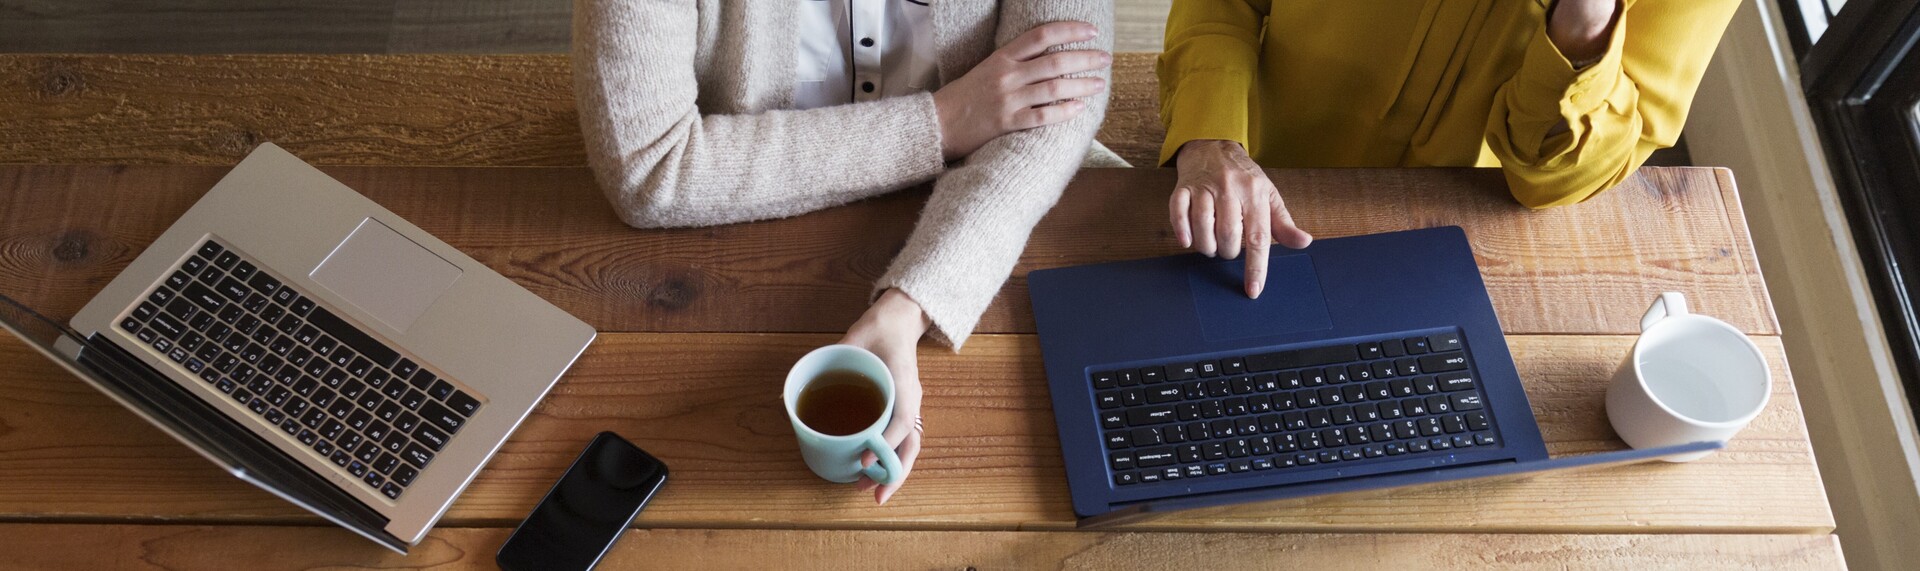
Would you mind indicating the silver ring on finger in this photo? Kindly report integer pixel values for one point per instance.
(919, 425)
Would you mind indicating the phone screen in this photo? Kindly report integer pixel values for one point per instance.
(587, 510)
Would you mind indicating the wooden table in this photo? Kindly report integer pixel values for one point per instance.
(700, 325)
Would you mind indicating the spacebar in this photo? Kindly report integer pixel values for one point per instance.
(1303, 358)
(373, 349)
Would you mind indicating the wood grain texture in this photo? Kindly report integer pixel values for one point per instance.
(110, 546)
(440, 110)
(1590, 268)
(708, 404)
(392, 110)
(195, 26)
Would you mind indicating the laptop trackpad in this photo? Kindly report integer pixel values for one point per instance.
(386, 274)
(1291, 303)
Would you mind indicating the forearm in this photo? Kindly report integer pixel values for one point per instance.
(981, 213)
(663, 163)
(1208, 67)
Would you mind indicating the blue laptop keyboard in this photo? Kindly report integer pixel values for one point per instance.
(1347, 402)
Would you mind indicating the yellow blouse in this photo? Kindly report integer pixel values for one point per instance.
(1343, 83)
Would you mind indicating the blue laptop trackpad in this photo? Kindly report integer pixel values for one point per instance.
(1291, 302)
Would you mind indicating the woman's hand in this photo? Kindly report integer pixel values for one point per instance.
(1223, 201)
(892, 329)
(1019, 87)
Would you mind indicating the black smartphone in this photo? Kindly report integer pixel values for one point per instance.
(587, 510)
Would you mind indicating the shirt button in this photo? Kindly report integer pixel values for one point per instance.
(866, 86)
(866, 42)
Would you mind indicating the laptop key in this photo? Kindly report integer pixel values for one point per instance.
(301, 306)
(1463, 402)
(285, 297)
(421, 379)
(1152, 457)
(1445, 342)
(351, 441)
(406, 473)
(416, 455)
(396, 441)
(386, 463)
(226, 260)
(200, 295)
(413, 400)
(430, 436)
(463, 403)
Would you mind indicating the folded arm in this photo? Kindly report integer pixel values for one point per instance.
(977, 221)
(663, 163)
(1563, 135)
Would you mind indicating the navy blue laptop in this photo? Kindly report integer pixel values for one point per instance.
(1368, 362)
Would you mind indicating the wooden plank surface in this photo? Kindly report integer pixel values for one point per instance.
(108, 546)
(1592, 268)
(708, 405)
(440, 110)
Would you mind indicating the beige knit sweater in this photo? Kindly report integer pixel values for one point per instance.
(684, 106)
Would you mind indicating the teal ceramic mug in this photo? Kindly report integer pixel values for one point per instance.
(837, 458)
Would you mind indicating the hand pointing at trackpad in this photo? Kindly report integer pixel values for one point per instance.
(1292, 300)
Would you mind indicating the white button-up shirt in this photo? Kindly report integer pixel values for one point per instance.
(862, 50)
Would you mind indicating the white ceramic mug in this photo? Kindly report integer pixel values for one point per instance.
(1690, 378)
(837, 458)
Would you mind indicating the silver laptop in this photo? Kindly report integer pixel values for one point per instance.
(318, 346)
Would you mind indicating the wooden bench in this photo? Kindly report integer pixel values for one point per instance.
(701, 323)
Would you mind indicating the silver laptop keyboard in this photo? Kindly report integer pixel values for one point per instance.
(372, 412)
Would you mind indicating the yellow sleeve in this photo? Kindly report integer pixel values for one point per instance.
(1207, 68)
(1617, 111)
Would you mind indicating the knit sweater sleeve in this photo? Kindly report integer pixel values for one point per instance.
(976, 224)
(663, 163)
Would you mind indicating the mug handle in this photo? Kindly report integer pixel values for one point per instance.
(884, 470)
(1667, 305)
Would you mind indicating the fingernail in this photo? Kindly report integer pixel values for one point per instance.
(1257, 288)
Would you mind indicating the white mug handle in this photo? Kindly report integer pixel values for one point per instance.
(1667, 305)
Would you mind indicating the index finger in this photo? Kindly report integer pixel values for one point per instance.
(1035, 42)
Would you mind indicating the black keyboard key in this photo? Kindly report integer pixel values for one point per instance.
(396, 441)
(350, 389)
(360, 342)
(1164, 394)
(1416, 345)
(430, 436)
(1302, 358)
(231, 314)
(413, 400)
(342, 458)
(284, 297)
(463, 403)
(356, 467)
(443, 389)
(1121, 461)
(404, 475)
(406, 422)
(314, 418)
(359, 420)
(1154, 457)
(167, 326)
(351, 441)
(1208, 368)
(145, 310)
(1477, 421)
(1118, 439)
(421, 379)
(324, 346)
(235, 290)
(1455, 381)
(386, 463)
(441, 417)
(1370, 351)
(416, 455)
(301, 306)
(244, 270)
(226, 260)
(394, 390)
(1463, 402)
(1106, 400)
(1152, 375)
(226, 385)
(374, 479)
(210, 276)
(342, 357)
(1137, 418)
(340, 408)
(387, 411)
(209, 250)
(204, 298)
(368, 452)
(1105, 380)
(370, 400)
(1147, 436)
(1445, 342)
(1425, 386)
(263, 283)
(1182, 372)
